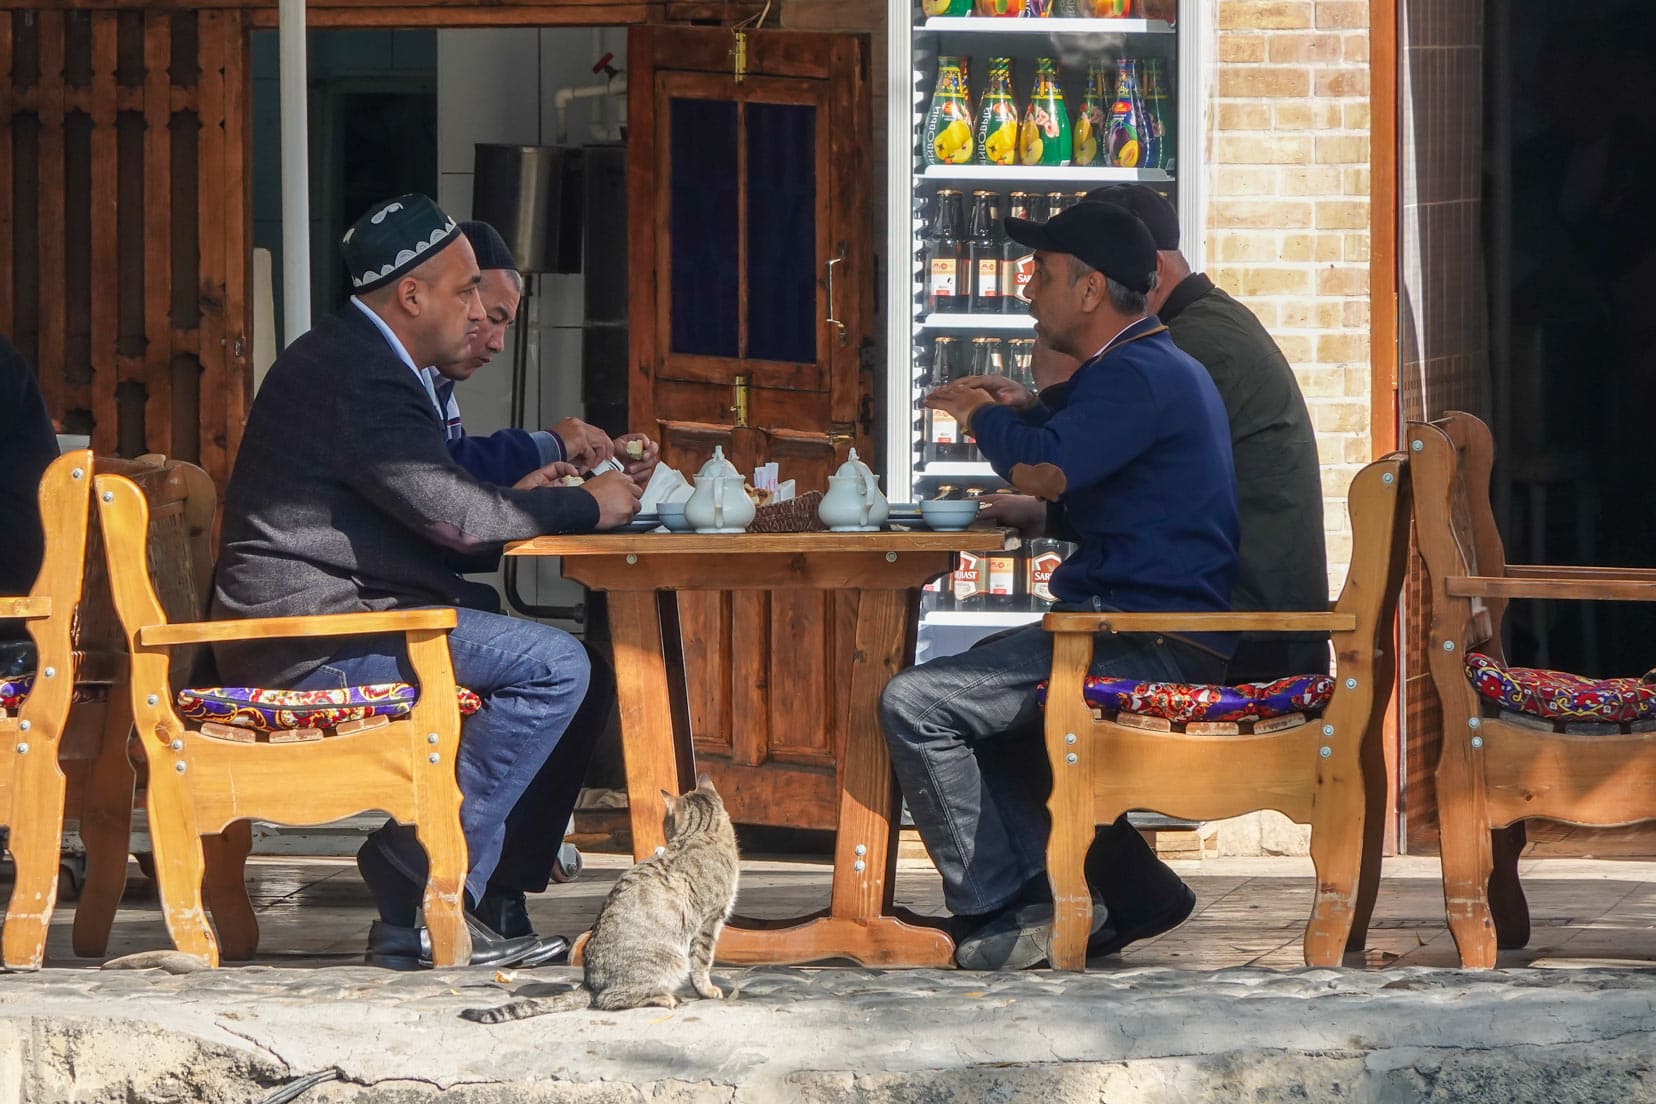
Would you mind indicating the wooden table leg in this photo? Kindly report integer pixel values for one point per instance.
(648, 743)
(858, 926)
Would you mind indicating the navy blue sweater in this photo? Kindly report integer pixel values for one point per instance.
(1141, 437)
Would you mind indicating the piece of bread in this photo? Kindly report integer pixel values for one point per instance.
(571, 481)
(757, 496)
(635, 448)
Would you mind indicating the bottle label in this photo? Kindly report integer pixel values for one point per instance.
(968, 577)
(943, 273)
(1041, 568)
(1002, 575)
(1023, 270)
(945, 430)
(988, 279)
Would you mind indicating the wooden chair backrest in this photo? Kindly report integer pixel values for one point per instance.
(65, 502)
(1379, 502)
(1455, 527)
(178, 557)
(173, 543)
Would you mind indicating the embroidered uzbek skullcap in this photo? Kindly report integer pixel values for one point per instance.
(491, 249)
(393, 237)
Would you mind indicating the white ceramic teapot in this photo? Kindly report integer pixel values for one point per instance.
(853, 503)
(720, 503)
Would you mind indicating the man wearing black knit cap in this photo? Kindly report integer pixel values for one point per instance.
(1134, 461)
(344, 499)
(509, 455)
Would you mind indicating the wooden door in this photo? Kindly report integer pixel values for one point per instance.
(750, 248)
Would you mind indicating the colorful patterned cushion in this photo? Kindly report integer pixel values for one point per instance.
(266, 710)
(1184, 703)
(1556, 695)
(13, 690)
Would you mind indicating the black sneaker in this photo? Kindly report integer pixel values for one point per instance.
(1016, 936)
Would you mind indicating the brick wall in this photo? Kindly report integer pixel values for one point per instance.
(1288, 209)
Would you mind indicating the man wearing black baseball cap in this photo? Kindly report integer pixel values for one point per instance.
(1134, 461)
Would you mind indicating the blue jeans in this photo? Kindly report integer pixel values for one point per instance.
(531, 677)
(967, 746)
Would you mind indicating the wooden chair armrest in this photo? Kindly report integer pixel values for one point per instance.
(29, 609)
(1199, 622)
(331, 624)
(1550, 586)
(1578, 571)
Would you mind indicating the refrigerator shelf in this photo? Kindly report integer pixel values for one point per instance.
(1009, 323)
(988, 25)
(956, 467)
(982, 618)
(1042, 174)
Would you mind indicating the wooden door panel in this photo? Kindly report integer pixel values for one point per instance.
(765, 672)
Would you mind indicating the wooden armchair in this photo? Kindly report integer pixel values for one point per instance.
(1517, 742)
(1321, 764)
(68, 721)
(207, 778)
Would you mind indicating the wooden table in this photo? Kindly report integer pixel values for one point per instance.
(642, 574)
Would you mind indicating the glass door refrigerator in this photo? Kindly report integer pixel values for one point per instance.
(997, 108)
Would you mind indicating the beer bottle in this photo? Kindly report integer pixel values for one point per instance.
(1044, 138)
(947, 290)
(1045, 554)
(942, 432)
(1006, 587)
(984, 252)
(1057, 202)
(1091, 120)
(1158, 114)
(947, 137)
(997, 127)
(969, 581)
(1017, 263)
(1020, 360)
(938, 594)
(1126, 135)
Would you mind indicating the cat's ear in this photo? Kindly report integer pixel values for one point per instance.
(704, 782)
(670, 800)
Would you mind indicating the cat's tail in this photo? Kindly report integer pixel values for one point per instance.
(572, 1001)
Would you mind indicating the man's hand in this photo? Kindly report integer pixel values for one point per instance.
(617, 496)
(960, 400)
(1025, 513)
(585, 446)
(548, 476)
(1004, 391)
(642, 466)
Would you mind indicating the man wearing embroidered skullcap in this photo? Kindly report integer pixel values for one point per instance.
(1133, 459)
(344, 499)
(508, 455)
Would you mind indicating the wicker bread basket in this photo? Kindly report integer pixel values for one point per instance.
(796, 515)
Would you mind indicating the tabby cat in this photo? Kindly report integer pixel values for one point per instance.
(659, 923)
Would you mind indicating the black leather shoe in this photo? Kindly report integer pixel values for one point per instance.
(505, 911)
(399, 948)
(1145, 897)
(1016, 937)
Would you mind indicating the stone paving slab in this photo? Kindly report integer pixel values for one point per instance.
(1149, 1035)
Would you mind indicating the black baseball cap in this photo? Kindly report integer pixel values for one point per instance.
(1149, 205)
(1109, 238)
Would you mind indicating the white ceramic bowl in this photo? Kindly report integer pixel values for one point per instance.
(672, 516)
(949, 513)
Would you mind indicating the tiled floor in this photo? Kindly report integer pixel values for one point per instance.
(1250, 912)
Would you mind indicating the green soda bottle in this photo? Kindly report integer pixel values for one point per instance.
(948, 133)
(997, 127)
(1091, 120)
(1044, 138)
(946, 7)
(1158, 114)
(1126, 134)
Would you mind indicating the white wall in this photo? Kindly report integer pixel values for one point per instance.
(498, 86)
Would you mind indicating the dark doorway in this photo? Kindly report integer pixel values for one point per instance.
(1572, 247)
